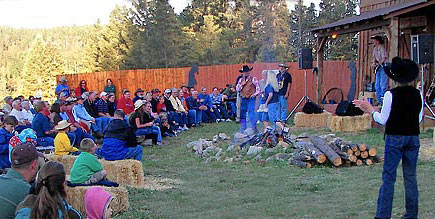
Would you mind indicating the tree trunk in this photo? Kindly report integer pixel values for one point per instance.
(322, 145)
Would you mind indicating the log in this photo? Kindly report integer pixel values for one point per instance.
(357, 153)
(359, 162)
(353, 158)
(376, 159)
(372, 151)
(368, 162)
(364, 154)
(302, 157)
(362, 147)
(322, 145)
(354, 147)
(300, 163)
(347, 163)
(316, 153)
(338, 150)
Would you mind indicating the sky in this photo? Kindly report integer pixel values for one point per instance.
(52, 13)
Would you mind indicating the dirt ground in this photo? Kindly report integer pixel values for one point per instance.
(427, 149)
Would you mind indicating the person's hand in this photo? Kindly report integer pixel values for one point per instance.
(149, 124)
(364, 105)
(93, 120)
(211, 110)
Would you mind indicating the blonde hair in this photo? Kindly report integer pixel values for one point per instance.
(271, 79)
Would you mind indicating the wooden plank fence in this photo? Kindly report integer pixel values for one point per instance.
(337, 74)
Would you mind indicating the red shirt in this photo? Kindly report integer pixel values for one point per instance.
(186, 95)
(126, 105)
(161, 107)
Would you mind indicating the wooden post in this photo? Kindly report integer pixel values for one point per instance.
(393, 35)
(319, 92)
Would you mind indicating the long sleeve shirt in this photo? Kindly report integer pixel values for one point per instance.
(192, 104)
(239, 85)
(382, 117)
(126, 105)
(205, 100)
(62, 144)
(216, 99)
(80, 112)
(41, 124)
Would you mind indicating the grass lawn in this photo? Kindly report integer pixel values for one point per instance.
(277, 190)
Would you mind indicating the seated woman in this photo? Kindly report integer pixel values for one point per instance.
(49, 200)
(119, 140)
(6, 133)
(142, 121)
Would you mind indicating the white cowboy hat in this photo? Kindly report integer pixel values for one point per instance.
(138, 104)
(62, 125)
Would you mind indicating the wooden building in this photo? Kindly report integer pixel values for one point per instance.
(396, 20)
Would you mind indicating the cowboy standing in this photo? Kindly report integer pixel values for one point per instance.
(401, 113)
(284, 84)
(249, 89)
(379, 58)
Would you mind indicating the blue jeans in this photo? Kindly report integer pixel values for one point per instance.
(198, 115)
(233, 110)
(223, 113)
(101, 124)
(273, 113)
(134, 153)
(77, 136)
(150, 130)
(248, 106)
(381, 83)
(191, 115)
(398, 148)
(282, 113)
(45, 141)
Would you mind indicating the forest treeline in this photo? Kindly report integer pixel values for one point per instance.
(149, 34)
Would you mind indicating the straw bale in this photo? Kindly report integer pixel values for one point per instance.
(350, 123)
(312, 120)
(119, 204)
(125, 172)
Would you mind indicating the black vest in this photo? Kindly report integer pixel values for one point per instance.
(404, 117)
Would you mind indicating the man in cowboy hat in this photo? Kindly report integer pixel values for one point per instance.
(239, 98)
(249, 89)
(401, 113)
(379, 58)
(62, 87)
(284, 83)
(138, 95)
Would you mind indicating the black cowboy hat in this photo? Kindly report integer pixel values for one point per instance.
(378, 38)
(246, 69)
(401, 70)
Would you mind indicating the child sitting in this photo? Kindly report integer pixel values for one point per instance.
(86, 168)
(161, 107)
(62, 144)
(166, 130)
(97, 203)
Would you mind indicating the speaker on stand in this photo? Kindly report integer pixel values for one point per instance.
(422, 52)
(305, 61)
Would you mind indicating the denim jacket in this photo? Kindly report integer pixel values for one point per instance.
(79, 111)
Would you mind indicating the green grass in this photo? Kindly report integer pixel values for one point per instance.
(277, 190)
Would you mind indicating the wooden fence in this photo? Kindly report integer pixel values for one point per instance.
(337, 74)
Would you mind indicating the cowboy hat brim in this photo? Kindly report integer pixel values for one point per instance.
(401, 70)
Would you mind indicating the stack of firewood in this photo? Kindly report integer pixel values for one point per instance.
(323, 149)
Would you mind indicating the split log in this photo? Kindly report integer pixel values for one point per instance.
(359, 162)
(300, 163)
(357, 153)
(372, 151)
(316, 153)
(322, 145)
(368, 162)
(364, 154)
(362, 147)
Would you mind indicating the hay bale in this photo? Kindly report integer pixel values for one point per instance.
(303, 120)
(350, 123)
(76, 198)
(124, 172)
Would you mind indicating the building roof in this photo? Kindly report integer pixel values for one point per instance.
(370, 15)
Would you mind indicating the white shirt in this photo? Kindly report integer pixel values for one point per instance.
(382, 117)
(27, 115)
(17, 114)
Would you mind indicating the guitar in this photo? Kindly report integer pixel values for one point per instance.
(429, 92)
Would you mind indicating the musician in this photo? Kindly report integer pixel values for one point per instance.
(380, 56)
(284, 84)
(401, 114)
(249, 89)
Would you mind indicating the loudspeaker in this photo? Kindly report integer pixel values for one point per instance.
(422, 48)
(347, 108)
(305, 59)
(312, 108)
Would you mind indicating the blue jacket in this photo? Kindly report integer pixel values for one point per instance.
(113, 149)
(5, 136)
(192, 104)
(41, 124)
(79, 111)
(207, 100)
(216, 100)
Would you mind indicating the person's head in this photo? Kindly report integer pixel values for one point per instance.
(165, 122)
(147, 107)
(155, 93)
(16, 105)
(283, 67)
(80, 100)
(92, 96)
(233, 89)
(119, 114)
(62, 96)
(55, 108)
(104, 96)
(185, 89)
(163, 116)
(139, 92)
(109, 82)
(25, 104)
(50, 190)
(215, 91)
(126, 94)
(162, 99)
(174, 92)
(246, 70)
(88, 145)
(83, 83)
(9, 123)
(195, 94)
(272, 80)
(192, 89)
(63, 126)
(24, 159)
(139, 105)
(63, 80)
(377, 40)
(31, 99)
(168, 93)
(40, 106)
(9, 100)
(148, 97)
(203, 90)
(97, 203)
(111, 98)
(402, 71)
(21, 97)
